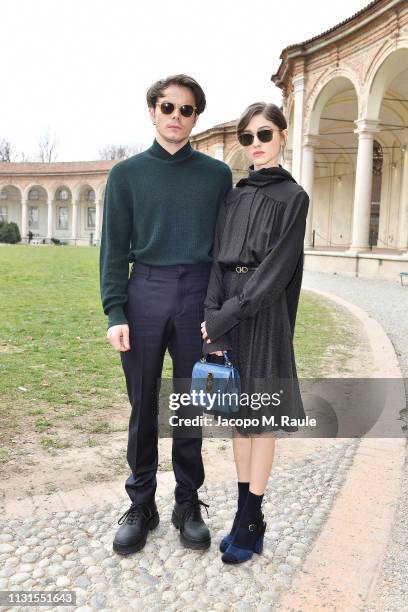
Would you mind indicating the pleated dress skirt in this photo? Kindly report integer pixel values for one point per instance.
(262, 351)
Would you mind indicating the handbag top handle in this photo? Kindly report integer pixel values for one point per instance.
(227, 361)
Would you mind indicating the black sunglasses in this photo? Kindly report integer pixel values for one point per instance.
(246, 138)
(168, 107)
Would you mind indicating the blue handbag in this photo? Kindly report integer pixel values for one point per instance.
(219, 381)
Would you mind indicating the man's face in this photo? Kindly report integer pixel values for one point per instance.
(174, 127)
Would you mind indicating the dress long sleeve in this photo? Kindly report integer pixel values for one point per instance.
(215, 290)
(271, 277)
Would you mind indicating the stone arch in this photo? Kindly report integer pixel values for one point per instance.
(238, 162)
(384, 69)
(335, 83)
(100, 191)
(58, 188)
(10, 202)
(81, 192)
(43, 190)
(15, 189)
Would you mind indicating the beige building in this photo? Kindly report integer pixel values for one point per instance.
(60, 200)
(345, 96)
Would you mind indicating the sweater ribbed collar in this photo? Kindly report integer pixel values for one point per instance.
(160, 152)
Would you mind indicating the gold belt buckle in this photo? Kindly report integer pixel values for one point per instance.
(241, 269)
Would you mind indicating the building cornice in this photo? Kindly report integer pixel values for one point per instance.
(335, 34)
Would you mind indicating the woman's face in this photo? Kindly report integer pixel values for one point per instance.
(264, 154)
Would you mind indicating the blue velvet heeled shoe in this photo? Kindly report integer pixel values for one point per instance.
(227, 540)
(238, 554)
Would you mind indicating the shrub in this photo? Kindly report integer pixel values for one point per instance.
(9, 232)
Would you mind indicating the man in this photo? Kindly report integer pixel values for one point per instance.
(159, 212)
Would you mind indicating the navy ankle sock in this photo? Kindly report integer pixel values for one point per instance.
(243, 488)
(252, 507)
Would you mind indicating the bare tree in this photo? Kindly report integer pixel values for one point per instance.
(48, 148)
(119, 151)
(24, 157)
(5, 151)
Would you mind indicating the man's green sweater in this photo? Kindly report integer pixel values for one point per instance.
(159, 209)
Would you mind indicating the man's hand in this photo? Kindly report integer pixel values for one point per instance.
(118, 336)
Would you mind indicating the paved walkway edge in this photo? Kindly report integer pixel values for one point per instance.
(341, 570)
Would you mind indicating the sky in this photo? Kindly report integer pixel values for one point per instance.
(80, 70)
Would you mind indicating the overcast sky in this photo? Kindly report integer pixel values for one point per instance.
(81, 69)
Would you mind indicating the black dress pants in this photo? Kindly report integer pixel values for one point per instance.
(164, 310)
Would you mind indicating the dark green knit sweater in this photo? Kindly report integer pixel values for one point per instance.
(159, 209)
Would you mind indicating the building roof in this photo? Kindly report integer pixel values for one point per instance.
(219, 127)
(371, 10)
(40, 168)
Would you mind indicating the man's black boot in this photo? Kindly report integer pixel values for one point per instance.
(186, 517)
(135, 525)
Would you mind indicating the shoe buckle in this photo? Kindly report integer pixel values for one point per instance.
(252, 527)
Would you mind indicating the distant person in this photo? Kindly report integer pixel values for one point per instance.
(30, 236)
(160, 212)
(251, 304)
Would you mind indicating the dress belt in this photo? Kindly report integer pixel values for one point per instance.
(239, 269)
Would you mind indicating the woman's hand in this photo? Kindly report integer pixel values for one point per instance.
(205, 335)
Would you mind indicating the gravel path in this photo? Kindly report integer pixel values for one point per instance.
(73, 550)
(388, 303)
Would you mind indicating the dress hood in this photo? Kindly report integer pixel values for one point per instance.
(265, 176)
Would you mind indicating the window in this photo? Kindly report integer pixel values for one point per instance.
(3, 194)
(33, 217)
(62, 219)
(3, 214)
(63, 194)
(90, 196)
(33, 194)
(90, 218)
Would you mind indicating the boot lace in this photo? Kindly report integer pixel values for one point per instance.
(133, 514)
(194, 510)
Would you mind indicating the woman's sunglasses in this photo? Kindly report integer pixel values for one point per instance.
(168, 107)
(246, 138)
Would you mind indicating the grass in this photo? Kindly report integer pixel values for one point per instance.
(59, 375)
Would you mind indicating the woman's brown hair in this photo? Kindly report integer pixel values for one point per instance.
(269, 111)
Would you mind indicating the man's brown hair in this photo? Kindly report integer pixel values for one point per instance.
(182, 80)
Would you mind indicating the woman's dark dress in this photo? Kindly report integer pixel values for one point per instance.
(261, 223)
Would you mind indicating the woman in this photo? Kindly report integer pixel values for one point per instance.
(251, 304)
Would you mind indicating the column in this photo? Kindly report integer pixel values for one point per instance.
(402, 242)
(74, 233)
(49, 219)
(219, 151)
(298, 95)
(287, 162)
(97, 220)
(309, 144)
(366, 129)
(24, 220)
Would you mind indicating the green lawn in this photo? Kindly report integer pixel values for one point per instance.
(57, 370)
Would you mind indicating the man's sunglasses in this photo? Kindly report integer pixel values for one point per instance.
(168, 107)
(246, 138)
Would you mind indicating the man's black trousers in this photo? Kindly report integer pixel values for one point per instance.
(164, 310)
